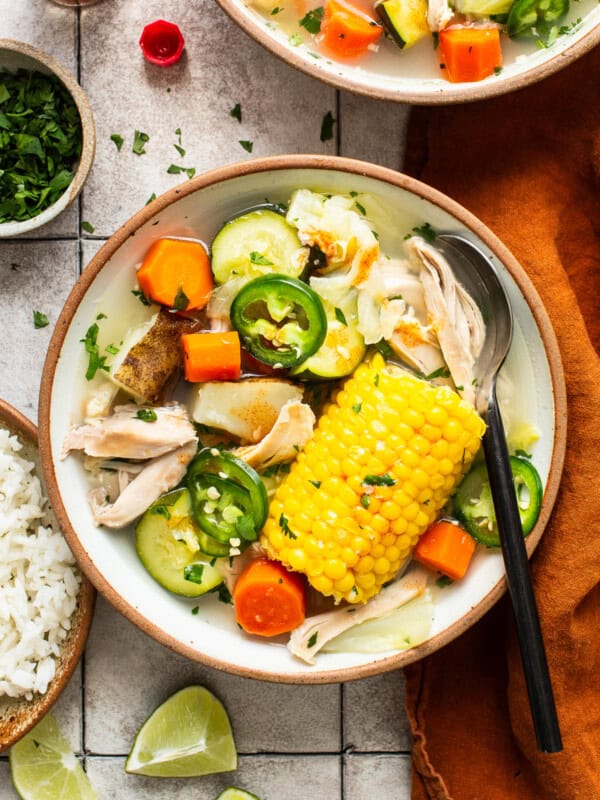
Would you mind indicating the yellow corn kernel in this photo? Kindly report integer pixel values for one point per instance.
(371, 481)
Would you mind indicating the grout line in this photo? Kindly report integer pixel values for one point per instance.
(338, 119)
(342, 740)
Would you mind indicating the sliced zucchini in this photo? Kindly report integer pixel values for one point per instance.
(483, 8)
(257, 243)
(343, 349)
(168, 543)
(404, 20)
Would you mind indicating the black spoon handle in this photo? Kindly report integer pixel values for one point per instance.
(535, 666)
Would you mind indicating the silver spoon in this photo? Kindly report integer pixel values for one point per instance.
(477, 274)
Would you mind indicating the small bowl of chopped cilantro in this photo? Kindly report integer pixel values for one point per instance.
(47, 138)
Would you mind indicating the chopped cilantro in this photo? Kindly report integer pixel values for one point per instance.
(150, 199)
(497, 70)
(384, 348)
(247, 145)
(316, 484)
(236, 111)
(146, 415)
(140, 295)
(95, 361)
(283, 524)
(276, 10)
(40, 320)
(340, 316)
(327, 127)
(223, 593)
(436, 39)
(522, 454)
(193, 572)
(442, 372)
(112, 349)
(356, 408)
(312, 20)
(195, 610)
(295, 40)
(140, 139)
(365, 500)
(181, 301)
(258, 258)
(87, 227)
(376, 380)
(379, 480)
(313, 639)
(118, 140)
(245, 527)
(180, 150)
(161, 510)
(361, 208)
(443, 581)
(426, 231)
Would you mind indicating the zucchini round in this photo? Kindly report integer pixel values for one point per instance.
(257, 243)
(168, 542)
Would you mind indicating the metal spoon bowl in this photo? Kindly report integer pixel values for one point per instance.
(478, 276)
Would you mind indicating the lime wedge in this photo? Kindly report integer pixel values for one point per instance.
(232, 793)
(188, 735)
(43, 767)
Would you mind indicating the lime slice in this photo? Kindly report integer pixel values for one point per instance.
(188, 735)
(43, 767)
(232, 793)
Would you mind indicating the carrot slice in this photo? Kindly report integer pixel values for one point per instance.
(268, 599)
(347, 31)
(469, 54)
(211, 356)
(447, 548)
(176, 273)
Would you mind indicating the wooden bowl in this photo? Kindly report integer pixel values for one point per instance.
(19, 716)
(19, 55)
(199, 208)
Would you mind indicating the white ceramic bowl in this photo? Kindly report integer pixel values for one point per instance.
(19, 716)
(19, 55)
(199, 208)
(413, 76)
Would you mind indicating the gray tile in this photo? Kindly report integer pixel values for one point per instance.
(204, 86)
(269, 777)
(128, 675)
(33, 276)
(67, 711)
(384, 777)
(374, 714)
(43, 24)
(383, 142)
(6, 788)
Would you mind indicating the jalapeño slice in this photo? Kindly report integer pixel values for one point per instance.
(474, 506)
(228, 497)
(281, 320)
(534, 17)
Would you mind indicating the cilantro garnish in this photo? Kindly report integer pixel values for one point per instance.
(40, 320)
(312, 20)
(139, 141)
(379, 480)
(313, 639)
(247, 145)
(327, 127)
(181, 301)
(442, 372)
(96, 361)
(258, 258)
(118, 140)
(161, 510)
(146, 415)
(140, 296)
(426, 231)
(87, 227)
(193, 572)
(283, 524)
(340, 316)
(236, 111)
(150, 199)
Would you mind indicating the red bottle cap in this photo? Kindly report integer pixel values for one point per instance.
(162, 43)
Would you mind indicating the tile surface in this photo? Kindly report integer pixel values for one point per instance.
(319, 742)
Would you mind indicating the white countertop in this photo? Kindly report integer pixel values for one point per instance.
(336, 742)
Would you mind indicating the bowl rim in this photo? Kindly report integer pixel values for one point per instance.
(481, 90)
(88, 138)
(265, 165)
(19, 424)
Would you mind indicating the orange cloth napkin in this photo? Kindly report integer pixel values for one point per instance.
(528, 164)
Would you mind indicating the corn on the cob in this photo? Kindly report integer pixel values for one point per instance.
(386, 455)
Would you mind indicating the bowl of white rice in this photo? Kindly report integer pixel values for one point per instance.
(46, 604)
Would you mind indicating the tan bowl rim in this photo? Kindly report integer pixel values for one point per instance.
(299, 162)
(29, 713)
(88, 138)
(481, 90)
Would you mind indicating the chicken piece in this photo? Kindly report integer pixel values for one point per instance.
(232, 568)
(158, 476)
(247, 409)
(291, 432)
(439, 14)
(125, 435)
(454, 315)
(151, 356)
(306, 641)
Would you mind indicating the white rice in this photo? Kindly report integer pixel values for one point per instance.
(38, 582)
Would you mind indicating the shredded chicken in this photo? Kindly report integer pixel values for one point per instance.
(454, 315)
(124, 435)
(439, 14)
(292, 430)
(158, 476)
(306, 641)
